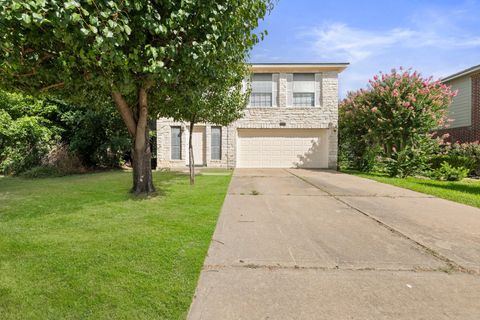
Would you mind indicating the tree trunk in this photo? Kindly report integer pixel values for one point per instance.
(138, 129)
(191, 161)
(142, 166)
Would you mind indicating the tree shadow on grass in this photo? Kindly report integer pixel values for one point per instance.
(473, 188)
(162, 187)
(23, 199)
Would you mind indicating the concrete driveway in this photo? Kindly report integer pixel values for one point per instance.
(305, 244)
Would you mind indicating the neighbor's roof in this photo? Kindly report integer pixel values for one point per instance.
(462, 73)
(298, 67)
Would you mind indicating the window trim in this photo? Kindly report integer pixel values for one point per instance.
(303, 105)
(271, 92)
(293, 92)
(171, 142)
(261, 105)
(219, 145)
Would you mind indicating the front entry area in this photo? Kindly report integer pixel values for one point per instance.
(282, 148)
(198, 145)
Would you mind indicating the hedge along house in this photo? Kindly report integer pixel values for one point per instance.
(290, 121)
(465, 107)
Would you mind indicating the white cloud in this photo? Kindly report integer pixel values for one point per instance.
(340, 41)
(433, 42)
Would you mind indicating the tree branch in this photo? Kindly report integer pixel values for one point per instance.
(32, 73)
(125, 112)
(56, 85)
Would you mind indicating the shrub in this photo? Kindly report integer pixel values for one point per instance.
(454, 160)
(359, 156)
(31, 128)
(447, 172)
(25, 141)
(467, 150)
(394, 115)
(407, 162)
(97, 136)
(41, 172)
(26, 133)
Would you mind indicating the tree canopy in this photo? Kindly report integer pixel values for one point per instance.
(139, 52)
(92, 46)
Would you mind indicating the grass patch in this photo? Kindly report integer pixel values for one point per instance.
(80, 247)
(466, 191)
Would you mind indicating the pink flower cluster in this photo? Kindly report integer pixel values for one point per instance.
(402, 94)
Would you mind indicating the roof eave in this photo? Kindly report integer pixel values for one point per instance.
(297, 67)
(462, 73)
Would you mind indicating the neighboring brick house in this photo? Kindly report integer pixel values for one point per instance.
(465, 107)
(291, 121)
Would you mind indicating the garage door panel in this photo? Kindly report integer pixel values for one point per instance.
(282, 148)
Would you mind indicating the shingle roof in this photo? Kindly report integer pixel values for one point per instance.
(462, 73)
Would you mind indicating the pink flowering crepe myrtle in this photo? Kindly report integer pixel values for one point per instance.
(396, 109)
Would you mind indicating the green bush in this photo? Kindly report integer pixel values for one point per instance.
(454, 160)
(447, 172)
(407, 162)
(26, 133)
(97, 136)
(30, 130)
(471, 151)
(41, 172)
(24, 142)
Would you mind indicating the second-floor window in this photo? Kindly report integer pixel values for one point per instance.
(303, 89)
(261, 95)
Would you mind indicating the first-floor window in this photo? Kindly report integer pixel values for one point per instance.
(216, 143)
(176, 144)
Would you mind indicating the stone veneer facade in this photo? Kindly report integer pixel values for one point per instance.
(322, 116)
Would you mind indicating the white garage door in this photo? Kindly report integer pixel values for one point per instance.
(282, 148)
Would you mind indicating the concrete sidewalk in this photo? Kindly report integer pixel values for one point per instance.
(301, 244)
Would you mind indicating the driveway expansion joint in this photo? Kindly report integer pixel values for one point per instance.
(452, 265)
(276, 267)
(281, 195)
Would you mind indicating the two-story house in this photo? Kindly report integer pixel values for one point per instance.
(291, 121)
(464, 111)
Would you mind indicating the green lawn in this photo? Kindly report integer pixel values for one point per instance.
(80, 247)
(466, 191)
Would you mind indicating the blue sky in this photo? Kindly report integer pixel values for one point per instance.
(437, 38)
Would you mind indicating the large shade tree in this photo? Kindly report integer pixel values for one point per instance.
(129, 51)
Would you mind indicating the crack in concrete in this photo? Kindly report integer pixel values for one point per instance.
(281, 194)
(335, 195)
(452, 265)
(381, 196)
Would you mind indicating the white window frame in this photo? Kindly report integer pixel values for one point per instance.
(219, 143)
(273, 91)
(304, 85)
(171, 143)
